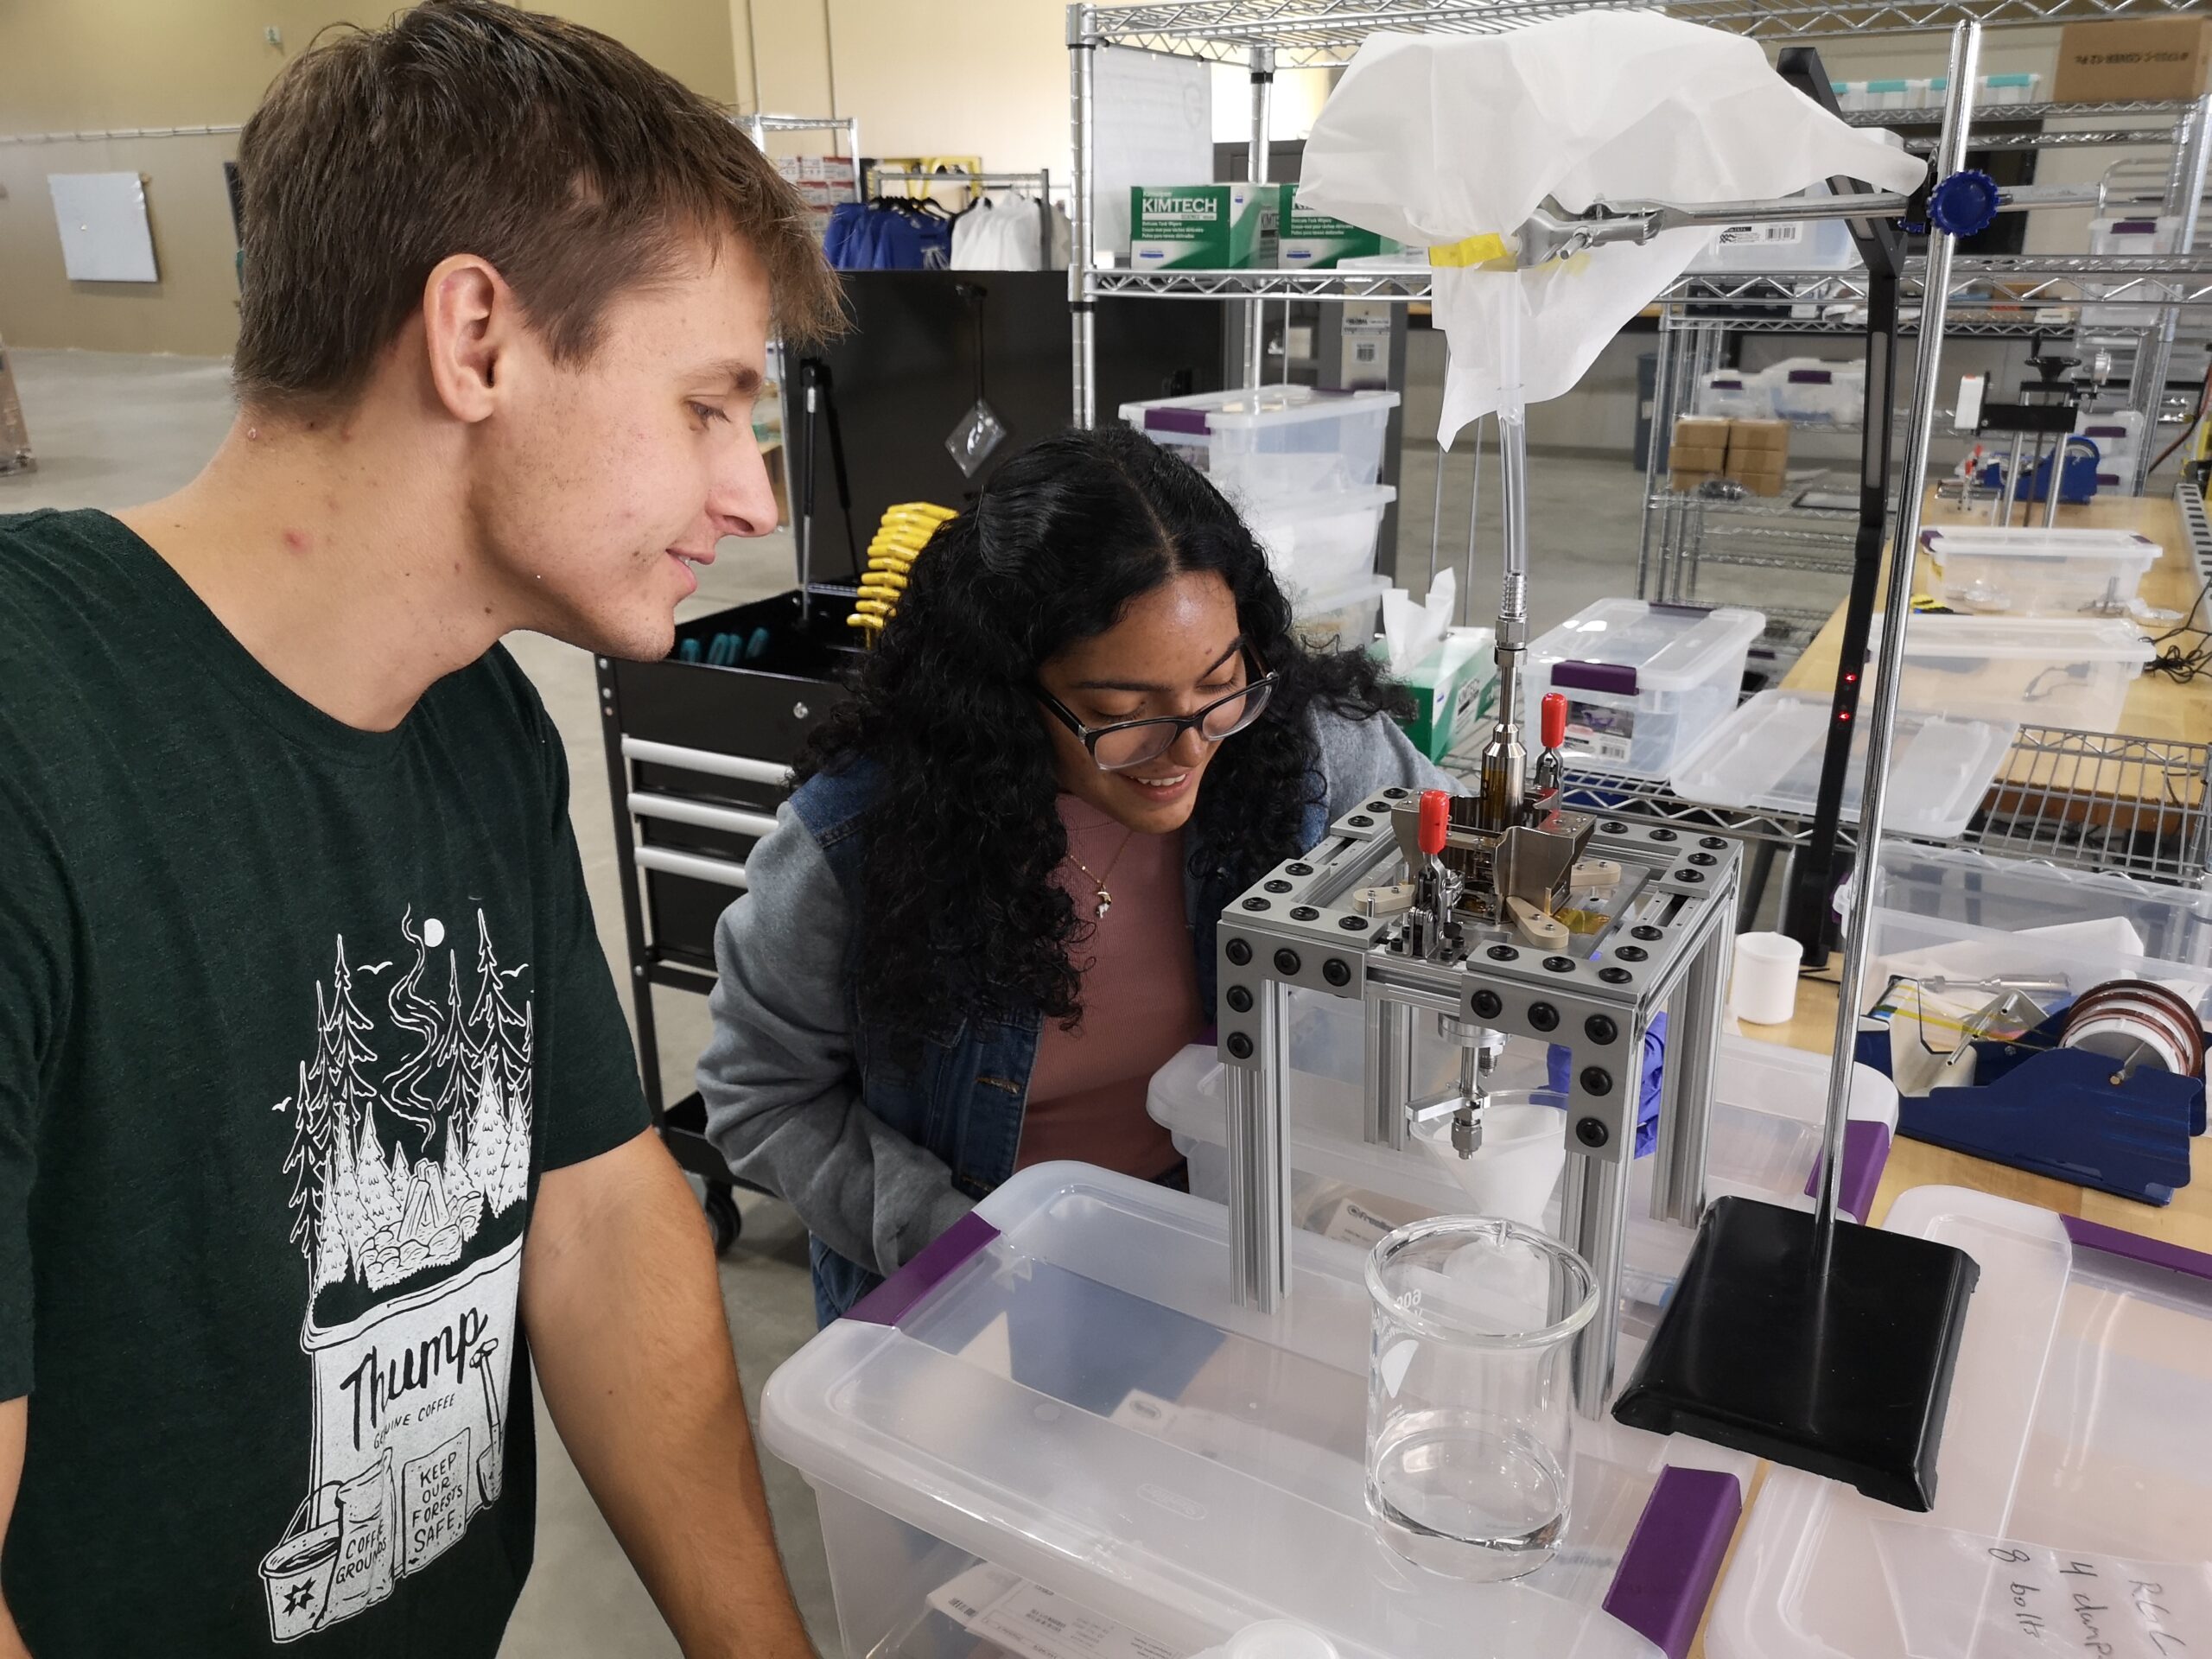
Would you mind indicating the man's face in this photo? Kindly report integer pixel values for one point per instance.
(603, 484)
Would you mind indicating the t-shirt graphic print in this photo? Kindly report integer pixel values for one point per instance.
(409, 1155)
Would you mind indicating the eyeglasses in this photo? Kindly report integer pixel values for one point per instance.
(1129, 743)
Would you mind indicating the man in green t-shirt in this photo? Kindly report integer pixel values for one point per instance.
(317, 1114)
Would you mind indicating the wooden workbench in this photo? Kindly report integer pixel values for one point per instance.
(2156, 706)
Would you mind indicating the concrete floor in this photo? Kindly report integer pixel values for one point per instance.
(110, 431)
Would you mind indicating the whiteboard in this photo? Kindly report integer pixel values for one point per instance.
(105, 236)
(1152, 125)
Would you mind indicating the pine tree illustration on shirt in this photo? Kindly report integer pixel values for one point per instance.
(409, 1163)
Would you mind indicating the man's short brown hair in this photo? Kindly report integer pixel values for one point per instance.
(575, 167)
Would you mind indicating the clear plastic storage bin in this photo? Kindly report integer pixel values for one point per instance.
(1734, 395)
(2063, 573)
(1062, 1390)
(1953, 912)
(2037, 670)
(1817, 392)
(2074, 1478)
(1274, 444)
(1765, 1139)
(1644, 683)
(1321, 545)
(1768, 754)
(1344, 618)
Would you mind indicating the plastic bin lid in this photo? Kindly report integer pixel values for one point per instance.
(2120, 546)
(1768, 753)
(1661, 647)
(1251, 406)
(2077, 1445)
(1291, 511)
(2022, 638)
(1065, 1388)
(1303, 604)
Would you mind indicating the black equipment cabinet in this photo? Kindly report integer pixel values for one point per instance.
(698, 760)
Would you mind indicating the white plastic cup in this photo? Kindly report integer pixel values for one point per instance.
(1765, 988)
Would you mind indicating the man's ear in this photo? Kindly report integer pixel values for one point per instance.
(468, 313)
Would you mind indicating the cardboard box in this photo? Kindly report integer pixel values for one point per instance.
(1701, 432)
(2133, 58)
(1698, 457)
(1315, 241)
(1758, 481)
(1749, 442)
(1203, 227)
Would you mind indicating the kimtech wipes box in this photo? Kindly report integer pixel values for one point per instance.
(1203, 226)
(1312, 241)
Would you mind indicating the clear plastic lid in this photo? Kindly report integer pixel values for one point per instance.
(1663, 647)
(1251, 406)
(1768, 753)
(2116, 546)
(2076, 1457)
(2021, 639)
(1077, 1400)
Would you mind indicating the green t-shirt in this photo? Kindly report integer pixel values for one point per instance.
(292, 1016)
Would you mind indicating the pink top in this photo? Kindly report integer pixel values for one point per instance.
(1139, 1004)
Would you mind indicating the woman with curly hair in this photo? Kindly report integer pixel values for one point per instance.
(986, 917)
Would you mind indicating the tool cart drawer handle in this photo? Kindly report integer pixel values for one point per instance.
(697, 866)
(644, 805)
(720, 765)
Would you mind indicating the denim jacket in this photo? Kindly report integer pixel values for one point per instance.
(802, 1094)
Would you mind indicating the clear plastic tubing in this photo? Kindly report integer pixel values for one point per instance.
(1470, 1393)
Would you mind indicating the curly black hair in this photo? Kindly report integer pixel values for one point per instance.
(960, 917)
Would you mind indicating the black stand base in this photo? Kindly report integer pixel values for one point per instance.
(1847, 1379)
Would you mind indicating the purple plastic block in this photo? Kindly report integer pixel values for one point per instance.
(892, 1299)
(1176, 420)
(2133, 1247)
(1612, 678)
(1811, 378)
(1866, 1154)
(1673, 1558)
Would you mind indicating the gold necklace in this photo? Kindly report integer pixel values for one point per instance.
(1104, 899)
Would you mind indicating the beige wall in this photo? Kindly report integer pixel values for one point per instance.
(91, 65)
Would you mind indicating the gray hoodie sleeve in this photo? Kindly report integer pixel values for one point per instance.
(1361, 756)
(781, 1087)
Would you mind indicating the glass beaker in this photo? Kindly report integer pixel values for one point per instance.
(1470, 1393)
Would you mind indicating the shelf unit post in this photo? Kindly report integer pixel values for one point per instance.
(1262, 60)
(2184, 192)
(1082, 229)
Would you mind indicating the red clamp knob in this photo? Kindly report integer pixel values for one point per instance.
(1435, 820)
(1555, 719)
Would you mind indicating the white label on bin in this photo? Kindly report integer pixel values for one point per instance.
(1030, 1621)
(1603, 733)
(1962, 1592)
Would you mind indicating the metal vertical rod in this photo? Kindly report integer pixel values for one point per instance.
(1255, 322)
(1881, 727)
(2184, 192)
(1259, 1160)
(1083, 230)
(1466, 600)
(1693, 1058)
(1389, 1071)
(1436, 519)
(1593, 1221)
(2015, 497)
(1652, 477)
(2050, 483)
